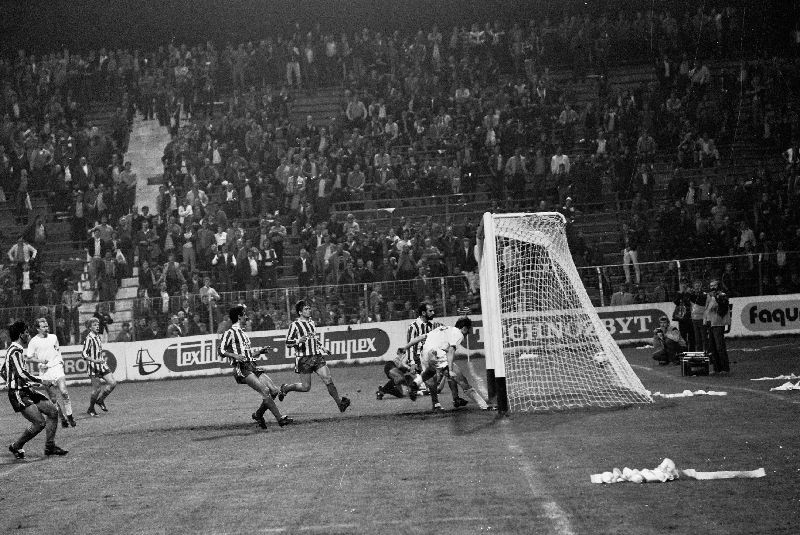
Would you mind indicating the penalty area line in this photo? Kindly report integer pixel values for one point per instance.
(559, 520)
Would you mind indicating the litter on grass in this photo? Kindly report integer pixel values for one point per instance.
(791, 377)
(689, 394)
(787, 386)
(666, 471)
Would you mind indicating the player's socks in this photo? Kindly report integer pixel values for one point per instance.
(434, 396)
(453, 387)
(477, 397)
(333, 392)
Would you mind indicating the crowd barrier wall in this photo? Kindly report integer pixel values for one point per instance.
(173, 358)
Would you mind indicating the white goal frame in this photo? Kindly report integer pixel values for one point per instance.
(618, 383)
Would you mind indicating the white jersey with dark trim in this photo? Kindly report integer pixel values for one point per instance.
(438, 342)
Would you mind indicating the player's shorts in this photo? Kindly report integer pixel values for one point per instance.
(436, 358)
(99, 371)
(244, 369)
(24, 398)
(388, 367)
(53, 374)
(309, 364)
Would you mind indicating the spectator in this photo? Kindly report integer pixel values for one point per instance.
(61, 276)
(174, 328)
(629, 240)
(71, 299)
(21, 253)
(105, 319)
(125, 335)
(304, 268)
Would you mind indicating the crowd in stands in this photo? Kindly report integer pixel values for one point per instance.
(472, 110)
(49, 151)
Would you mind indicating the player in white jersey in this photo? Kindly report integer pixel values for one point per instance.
(439, 349)
(44, 350)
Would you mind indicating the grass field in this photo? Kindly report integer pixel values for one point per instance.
(179, 457)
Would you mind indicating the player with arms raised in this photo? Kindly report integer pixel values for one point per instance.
(235, 345)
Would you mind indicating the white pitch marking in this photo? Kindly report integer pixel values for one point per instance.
(558, 518)
(327, 528)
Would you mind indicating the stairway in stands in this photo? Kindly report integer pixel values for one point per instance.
(123, 304)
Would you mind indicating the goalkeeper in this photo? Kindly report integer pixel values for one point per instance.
(439, 349)
(403, 379)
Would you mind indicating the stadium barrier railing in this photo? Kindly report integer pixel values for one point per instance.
(744, 275)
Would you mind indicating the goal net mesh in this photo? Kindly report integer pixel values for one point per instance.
(556, 350)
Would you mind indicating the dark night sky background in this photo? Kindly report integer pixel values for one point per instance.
(44, 26)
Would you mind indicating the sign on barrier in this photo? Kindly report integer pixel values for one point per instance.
(373, 342)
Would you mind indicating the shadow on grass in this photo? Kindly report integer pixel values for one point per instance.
(465, 422)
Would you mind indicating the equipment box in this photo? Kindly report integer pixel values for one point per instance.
(694, 363)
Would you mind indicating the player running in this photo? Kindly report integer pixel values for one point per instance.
(103, 381)
(44, 350)
(235, 345)
(439, 349)
(302, 337)
(35, 407)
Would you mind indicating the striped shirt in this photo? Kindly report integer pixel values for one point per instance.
(417, 328)
(235, 340)
(299, 328)
(13, 371)
(93, 349)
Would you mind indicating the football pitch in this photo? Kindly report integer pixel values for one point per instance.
(181, 457)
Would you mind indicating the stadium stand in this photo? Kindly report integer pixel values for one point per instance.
(352, 171)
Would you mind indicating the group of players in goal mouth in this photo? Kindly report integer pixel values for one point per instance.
(414, 371)
(422, 366)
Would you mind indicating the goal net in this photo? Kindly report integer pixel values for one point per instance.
(544, 341)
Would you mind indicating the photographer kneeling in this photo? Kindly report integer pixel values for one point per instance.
(668, 343)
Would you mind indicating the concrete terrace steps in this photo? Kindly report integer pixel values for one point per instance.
(123, 305)
(323, 105)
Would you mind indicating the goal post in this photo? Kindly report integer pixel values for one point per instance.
(546, 347)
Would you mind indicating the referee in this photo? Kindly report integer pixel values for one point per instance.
(35, 407)
(235, 345)
(302, 337)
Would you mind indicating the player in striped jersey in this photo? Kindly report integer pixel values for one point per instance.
(302, 338)
(419, 327)
(35, 407)
(103, 381)
(235, 345)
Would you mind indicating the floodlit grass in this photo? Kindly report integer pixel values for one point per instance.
(180, 457)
